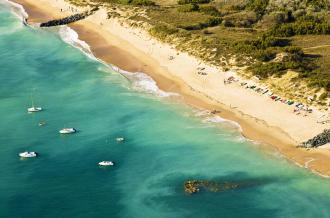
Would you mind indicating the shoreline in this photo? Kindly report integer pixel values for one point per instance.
(112, 49)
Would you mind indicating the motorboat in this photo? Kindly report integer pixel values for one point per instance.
(42, 123)
(106, 163)
(28, 154)
(67, 130)
(34, 109)
(120, 139)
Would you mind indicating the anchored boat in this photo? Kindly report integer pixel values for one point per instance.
(33, 108)
(120, 139)
(106, 163)
(67, 130)
(28, 154)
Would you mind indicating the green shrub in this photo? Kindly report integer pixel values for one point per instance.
(264, 70)
(214, 21)
(265, 42)
(162, 31)
(265, 55)
(143, 2)
(323, 96)
(188, 8)
(182, 2)
(228, 23)
(210, 10)
(300, 28)
(258, 6)
(319, 3)
(137, 2)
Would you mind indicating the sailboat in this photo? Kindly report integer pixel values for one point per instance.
(33, 108)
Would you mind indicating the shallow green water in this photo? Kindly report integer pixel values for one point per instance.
(166, 144)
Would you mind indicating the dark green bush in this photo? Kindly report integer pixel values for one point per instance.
(137, 2)
(319, 3)
(265, 42)
(162, 31)
(264, 70)
(210, 10)
(300, 28)
(143, 2)
(182, 2)
(258, 6)
(188, 8)
(209, 23)
(265, 55)
(228, 23)
(323, 96)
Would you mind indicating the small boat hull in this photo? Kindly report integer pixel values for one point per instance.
(34, 109)
(68, 131)
(120, 139)
(27, 154)
(106, 163)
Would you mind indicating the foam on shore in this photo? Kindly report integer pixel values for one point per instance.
(17, 9)
(19, 12)
(143, 82)
(139, 80)
(71, 37)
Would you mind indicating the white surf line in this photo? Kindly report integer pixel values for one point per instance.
(306, 165)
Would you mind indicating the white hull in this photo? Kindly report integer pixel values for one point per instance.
(120, 139)
(34, 109)
(106, 163)
(67, 131)
(27, 154)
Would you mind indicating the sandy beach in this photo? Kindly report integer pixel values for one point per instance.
(132, 49)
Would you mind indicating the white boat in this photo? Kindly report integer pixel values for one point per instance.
(67, 130)
(34, 109)
(120, 139)
(42, 123)
(106, 163)
(28, 154)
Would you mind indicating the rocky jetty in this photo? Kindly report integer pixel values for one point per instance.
(319, 140)
(69, 19)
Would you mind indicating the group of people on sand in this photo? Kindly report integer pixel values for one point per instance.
(299, 108)
(229, 80)
(200, 71)
(72, 9)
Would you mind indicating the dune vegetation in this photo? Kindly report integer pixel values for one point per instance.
(267, 38)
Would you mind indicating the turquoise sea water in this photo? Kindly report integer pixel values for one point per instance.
(166, 144)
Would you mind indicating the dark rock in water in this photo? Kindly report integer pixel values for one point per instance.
(191, 186)
(319, 140)
(69, 19)
(194, 186)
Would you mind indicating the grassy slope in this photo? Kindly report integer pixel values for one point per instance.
(223, 30)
